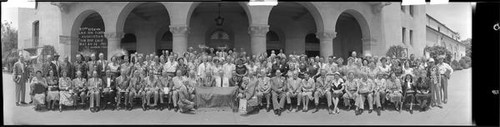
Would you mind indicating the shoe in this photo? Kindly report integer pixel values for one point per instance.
(370, 111)
(440, 106)
(176, 109)
(357, 112)
(378, 112)
(23, 103)
(279, 112)
(297, 109)
(411, 111)
(330, 111)
(317, 109)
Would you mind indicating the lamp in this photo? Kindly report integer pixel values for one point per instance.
(219, 20)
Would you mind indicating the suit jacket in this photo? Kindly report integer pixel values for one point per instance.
(105, 82)
(54, 67)
(20, 72)
(278, 83)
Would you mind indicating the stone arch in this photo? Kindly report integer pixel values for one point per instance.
(124, 13)
(79, 21)
(314, 11)
(363, 23)
(195, 4)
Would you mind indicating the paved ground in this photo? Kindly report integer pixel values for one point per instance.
(456, 112)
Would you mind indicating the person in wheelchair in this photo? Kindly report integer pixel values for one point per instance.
(122, 90)
(95, 87)
(409, 91)
(80, 87)
(109, 88)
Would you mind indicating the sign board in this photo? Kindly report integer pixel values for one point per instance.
(92, 39)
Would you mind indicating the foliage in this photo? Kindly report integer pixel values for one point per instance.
(9, 38)
(455, 65)
(435, 51)
(396, 50)
(465, 62)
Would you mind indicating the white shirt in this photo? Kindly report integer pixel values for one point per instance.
(228, 69)
(170, 66)
(443, 67)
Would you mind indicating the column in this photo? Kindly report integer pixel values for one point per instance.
(179, 38)
(326, 43)
(114, 40)
(258, 38)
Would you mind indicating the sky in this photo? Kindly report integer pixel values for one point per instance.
(457, 16)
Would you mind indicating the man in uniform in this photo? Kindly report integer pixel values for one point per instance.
(20, 76)
(323, 90)
(278, 91)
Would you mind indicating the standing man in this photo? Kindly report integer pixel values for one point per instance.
(435, 83)
(102, 65)
(20, 76)
(54, 65)
(278, 90)
(445, 71)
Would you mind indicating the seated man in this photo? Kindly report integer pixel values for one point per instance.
(95, 87)
(294, 89)
(134, 88)
(208, 80)
(263, 89)
(351, 88)
(186, 99)
(365, 92)
(278, 91)
(151, 88)
(323, 90)
(80, 90)
(122, 88)
(109, 88)
(165, 84)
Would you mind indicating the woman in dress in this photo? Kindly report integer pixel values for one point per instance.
(337, 87)
(38, 89)
(53, 90)
(218, 72)
(308, 87)
(409, 91)
(66, 93)
(394, 90)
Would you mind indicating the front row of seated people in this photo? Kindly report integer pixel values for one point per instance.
(180, 90)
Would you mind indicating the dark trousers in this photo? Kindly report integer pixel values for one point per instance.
(20, 92)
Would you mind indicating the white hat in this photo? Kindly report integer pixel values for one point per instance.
(431, 60)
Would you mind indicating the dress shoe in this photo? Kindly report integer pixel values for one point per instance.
(23, 103)
(370, 111)
(317, 109)
(330, 111)
(411, 111)
(279, 112)
(378, 112)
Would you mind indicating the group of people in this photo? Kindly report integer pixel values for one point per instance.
(285, 82)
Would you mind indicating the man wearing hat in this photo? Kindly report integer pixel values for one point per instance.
(54, 65)
(445, 71)
(20, 76)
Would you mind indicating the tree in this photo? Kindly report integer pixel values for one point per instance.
(439, 50)
(9, 37)
(396, 50)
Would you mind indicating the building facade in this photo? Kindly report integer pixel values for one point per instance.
(313, 28)
(439, 34)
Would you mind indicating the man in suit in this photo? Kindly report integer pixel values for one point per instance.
(54, 65)
(323, 90)
(20, 76)
(109, 88)
(102, 64)
(278, 91)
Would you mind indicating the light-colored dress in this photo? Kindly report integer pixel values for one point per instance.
(65, 93)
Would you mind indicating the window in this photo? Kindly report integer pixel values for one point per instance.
(311, 38)
(36, 33)
(272, 36)
(439, 29)
(403, 35)
(411, 10)
(411, 37)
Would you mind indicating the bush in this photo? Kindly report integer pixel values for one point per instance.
(456, 65)
(439, 50)
(465, 62)
(396, 50)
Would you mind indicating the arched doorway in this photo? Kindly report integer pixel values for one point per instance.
(91, 35)
(128, 42)
(312, 45)
(148, 22)
(349, 36)
(274, 42)
(296, 20)
(219, 25)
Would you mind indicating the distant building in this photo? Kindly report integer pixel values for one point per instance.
(439, 34)
(313, 28)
